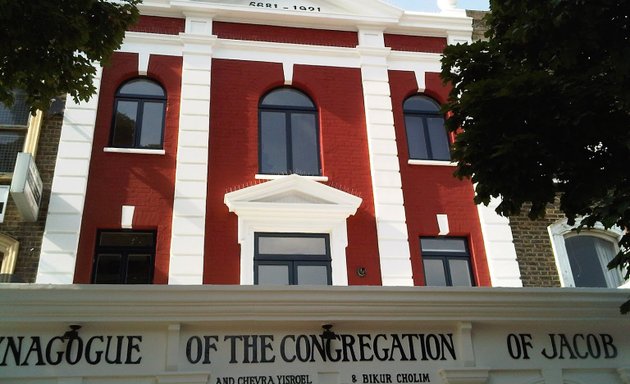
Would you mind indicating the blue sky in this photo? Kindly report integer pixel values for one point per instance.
(431, 5)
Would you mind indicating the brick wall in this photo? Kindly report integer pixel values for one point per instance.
(533, 248)
(479, 26)
(289, 35)
(30, 234)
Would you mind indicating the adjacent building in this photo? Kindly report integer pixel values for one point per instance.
(266, 189)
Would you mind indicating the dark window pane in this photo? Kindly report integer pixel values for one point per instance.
(272, 245)
(587, 257)
(273, 143)
(108, 269)
(460, 273)
(312, 275)
(11, 142)
(127, 239)
(420, 104)
(438, 139)
(415, 137)
(443, 245)
(273, 274)
(125, 124)
(142, 87)
(152, 122)
(434, 273)
(18, 113)
(304, 144)
(139, 269)
(287, 97)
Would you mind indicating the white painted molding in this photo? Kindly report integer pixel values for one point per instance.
(624, 374)
(465, 375)
(499, 246)
(560, 230)
(420, 80)
(442, 222)
(126, 216)
(259, 176)
(159, 304)
(186, 262)
(143, 63)
(183, 378)
(67, 197)
(293, 204)
(439, 163)
(287, 68)
(393, 245)
(172, 347)
(465, 346)
(137, 151)
(9, 248)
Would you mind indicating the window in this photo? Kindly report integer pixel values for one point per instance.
(582, 258)
(589, 257)
(292, 259)
(288, 134)
(124, 257)
(446, 262)
(424, 124)
(14, 124)
(8, 257)
(139, 107)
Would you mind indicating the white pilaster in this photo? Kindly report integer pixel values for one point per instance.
(500, 251)
(189, 205)
(63, 224)
(389, 207)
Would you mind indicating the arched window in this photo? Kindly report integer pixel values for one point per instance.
(288, 134)
(426, 135)
(582, 258)
(139, 107)
(8, 257)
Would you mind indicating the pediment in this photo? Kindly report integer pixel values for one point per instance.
(360, 8)
(291, 192)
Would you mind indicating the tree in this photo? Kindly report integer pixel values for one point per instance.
(48, 47)
(542, 110)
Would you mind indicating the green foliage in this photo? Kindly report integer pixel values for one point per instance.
(543, 110)
(48, 46)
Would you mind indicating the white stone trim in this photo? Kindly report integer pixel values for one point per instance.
(465, 375)
(560, 230)
(259, 176)
(137, 151)
(293, 204)
(160, 304)
(191, 174)
(126, 216)
(67, 197)
(499, 246)
(438, 163)
(287, 69)
(9, 248)
(393, 245)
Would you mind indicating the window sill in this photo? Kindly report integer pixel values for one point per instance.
(441, 163)
(135, 150)
(274, 177)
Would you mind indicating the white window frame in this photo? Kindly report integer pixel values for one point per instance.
(293, 204)
(9, 248)
(559, 231)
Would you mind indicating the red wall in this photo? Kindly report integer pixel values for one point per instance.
(117, 179)
(431, 190)
(236, 91)
(161, 25)
(289, 35)
(415, 43)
